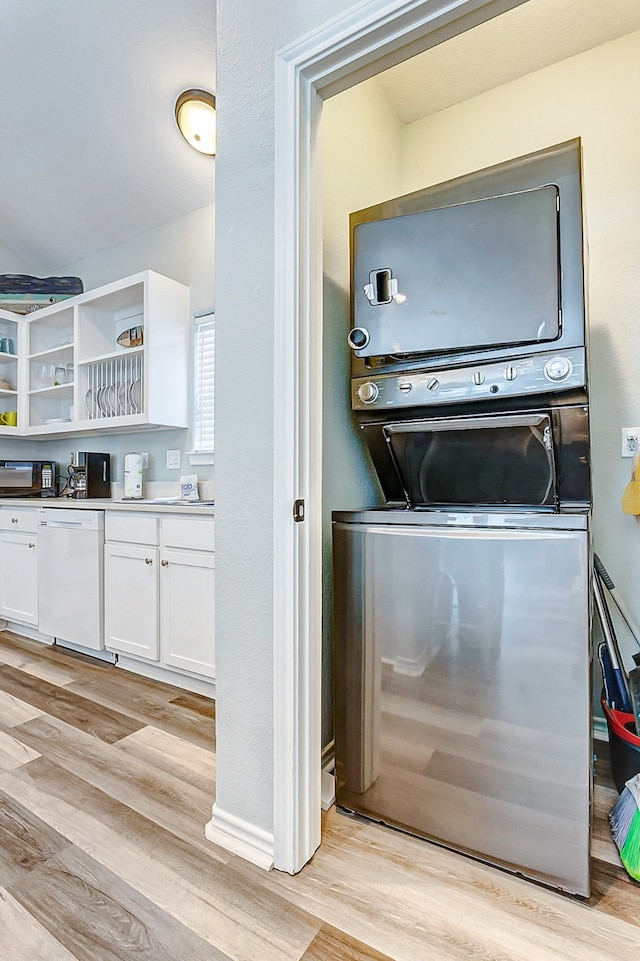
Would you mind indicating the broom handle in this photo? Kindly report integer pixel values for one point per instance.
(611, 587)
(610, 641)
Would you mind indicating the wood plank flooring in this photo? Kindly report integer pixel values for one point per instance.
(106, 783)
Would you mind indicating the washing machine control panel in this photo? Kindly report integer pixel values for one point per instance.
(533, 374)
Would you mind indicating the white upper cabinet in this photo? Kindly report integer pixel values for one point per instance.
(77, 369)
(10, 351)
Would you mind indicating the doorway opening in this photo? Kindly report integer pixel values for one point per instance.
(352, 147)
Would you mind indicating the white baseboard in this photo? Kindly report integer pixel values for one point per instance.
(107, 656)
(26, 630)
(240, 837)
(156, 673)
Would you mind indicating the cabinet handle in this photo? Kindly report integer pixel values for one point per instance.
(148, 560)
(32, 545)
(165, 563)
(14, 520)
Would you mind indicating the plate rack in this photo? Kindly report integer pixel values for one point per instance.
(114, 387)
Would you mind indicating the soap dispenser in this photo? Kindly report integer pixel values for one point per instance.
(132, 477)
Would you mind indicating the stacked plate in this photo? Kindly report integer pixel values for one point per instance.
(114, 400)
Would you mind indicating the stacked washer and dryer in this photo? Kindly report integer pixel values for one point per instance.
(462, 605)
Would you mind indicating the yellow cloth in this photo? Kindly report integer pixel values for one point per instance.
(631, 496)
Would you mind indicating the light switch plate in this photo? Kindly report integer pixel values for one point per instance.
(173, 460)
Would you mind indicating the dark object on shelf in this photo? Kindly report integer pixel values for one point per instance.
(22, 293)
(624, 745)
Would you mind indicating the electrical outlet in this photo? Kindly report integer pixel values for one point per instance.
(145, 460)
(629, 441)
(173, 460)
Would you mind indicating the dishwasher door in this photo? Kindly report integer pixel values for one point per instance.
(70, 571)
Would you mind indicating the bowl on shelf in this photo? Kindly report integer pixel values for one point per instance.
(132, 337)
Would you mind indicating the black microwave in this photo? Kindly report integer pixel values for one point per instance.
(27, 478)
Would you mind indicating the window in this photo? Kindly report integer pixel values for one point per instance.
(203, 383)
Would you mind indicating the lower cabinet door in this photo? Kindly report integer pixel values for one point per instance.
(131, 600)
(187, 606)
(19, 577)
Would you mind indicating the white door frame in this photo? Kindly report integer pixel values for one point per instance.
(369, 38)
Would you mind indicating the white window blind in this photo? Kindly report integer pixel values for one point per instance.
(203, 383)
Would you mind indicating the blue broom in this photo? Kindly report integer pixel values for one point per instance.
(625, 826)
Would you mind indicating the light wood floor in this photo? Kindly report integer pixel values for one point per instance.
(106, 782)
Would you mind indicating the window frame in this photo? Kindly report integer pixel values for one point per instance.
(203, 323)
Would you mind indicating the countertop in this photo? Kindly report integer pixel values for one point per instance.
(99, 503)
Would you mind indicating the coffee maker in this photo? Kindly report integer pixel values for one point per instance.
(89, 475)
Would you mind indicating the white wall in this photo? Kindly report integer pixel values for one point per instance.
(249, 34)
(183, 250)
(592, 96)
(361, 138)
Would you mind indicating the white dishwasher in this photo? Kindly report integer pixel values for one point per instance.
(70, 573)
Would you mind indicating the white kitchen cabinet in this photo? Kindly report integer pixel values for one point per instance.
(19, 565)
(131, 600)
(187, 607)
(79, 378)
(160, 590)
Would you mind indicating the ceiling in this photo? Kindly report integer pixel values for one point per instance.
(527, 38)
(90, 152)
(91, 155)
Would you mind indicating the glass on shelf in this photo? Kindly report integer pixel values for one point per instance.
(47, 374)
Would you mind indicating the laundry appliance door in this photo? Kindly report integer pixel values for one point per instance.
(462, 683)
(463, 277)
(466, 461)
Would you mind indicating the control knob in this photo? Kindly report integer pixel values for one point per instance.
(558, 368)
(478, 377)
(367, 392)
(510, 373)
(358, 338)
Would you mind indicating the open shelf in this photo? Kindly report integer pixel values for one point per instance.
(53, 405)
(51, 330)
(53, 352)
(114, 355)
(56, 390)
(102, 320)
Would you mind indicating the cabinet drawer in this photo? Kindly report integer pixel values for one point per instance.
(132, 528)
(23, 519)
(188, 533)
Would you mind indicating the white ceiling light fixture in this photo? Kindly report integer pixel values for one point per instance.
(196, 119)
